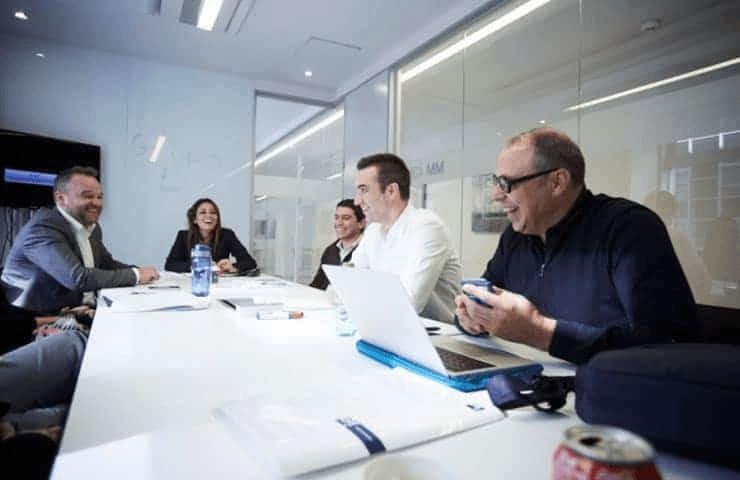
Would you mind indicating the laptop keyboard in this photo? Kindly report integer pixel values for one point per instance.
(455, 362)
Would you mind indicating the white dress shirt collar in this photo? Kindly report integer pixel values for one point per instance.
(399, 225)
(344, 251)
(78, 228)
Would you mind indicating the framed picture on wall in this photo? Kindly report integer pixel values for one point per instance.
(488, 216)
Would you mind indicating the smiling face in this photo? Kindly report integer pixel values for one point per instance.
(206, 219)
(346, 224)
(83, 199)
(370, 197)
(529, 205)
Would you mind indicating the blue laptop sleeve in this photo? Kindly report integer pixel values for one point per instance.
(467, 383)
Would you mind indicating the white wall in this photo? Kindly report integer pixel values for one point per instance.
(123, 104)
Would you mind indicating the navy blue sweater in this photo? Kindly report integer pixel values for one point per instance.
(607, 273)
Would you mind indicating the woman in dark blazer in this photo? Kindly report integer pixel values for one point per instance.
(204, 226)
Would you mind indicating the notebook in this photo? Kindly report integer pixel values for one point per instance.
(393, 333)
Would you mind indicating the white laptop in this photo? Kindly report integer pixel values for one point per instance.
(378, 304)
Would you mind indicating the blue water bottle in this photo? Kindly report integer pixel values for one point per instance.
(200, 265)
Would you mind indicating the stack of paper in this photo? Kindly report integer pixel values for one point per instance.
(342, 422)
(147, 300)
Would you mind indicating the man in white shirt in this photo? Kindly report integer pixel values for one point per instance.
(410, 242)
(58, 258)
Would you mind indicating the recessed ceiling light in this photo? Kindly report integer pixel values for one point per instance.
(21, 15)
(208, 14)
(40, 55)
(543, 122)
(308, 74)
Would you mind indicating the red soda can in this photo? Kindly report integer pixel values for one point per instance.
(595, 452)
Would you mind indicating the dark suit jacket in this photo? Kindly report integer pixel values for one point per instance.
(179, 258)
(45, 272)
(329, 257)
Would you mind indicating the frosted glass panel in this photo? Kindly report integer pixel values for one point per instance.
(295, 193)
(365, 125)
(654, 106)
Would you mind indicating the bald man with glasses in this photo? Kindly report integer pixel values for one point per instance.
(575, 273)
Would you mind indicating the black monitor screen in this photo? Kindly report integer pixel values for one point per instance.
(29, 165)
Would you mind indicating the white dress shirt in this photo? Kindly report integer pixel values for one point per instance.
(82, 235)
(343, 252)
(417, 248)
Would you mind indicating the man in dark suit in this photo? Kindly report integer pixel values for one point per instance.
(349, 222)
(58, 258)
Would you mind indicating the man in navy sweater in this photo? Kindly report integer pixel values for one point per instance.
(575, 273)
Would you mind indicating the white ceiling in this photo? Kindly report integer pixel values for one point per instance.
(270, 41)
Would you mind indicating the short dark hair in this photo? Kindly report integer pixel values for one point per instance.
(63, 177)
(349, 203)
(391, 169)
(554, 149)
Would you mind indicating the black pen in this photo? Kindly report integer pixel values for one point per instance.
(432, 329)
(162, 287)
(228, 303)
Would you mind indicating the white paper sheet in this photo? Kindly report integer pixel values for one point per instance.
(338, 423)
(143, 299)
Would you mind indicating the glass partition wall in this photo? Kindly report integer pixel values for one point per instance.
(650, 91)
(297, 181)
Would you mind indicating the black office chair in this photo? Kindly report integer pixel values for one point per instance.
(719, 324)
(16, 325)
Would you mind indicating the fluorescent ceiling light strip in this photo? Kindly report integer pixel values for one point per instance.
(289, 142)
(208, 14)
(336, 175)
(157, 147)
(659, 83)
(478, 35)
(707, 137)
(260, 198)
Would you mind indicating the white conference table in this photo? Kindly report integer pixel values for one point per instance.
(144, 401)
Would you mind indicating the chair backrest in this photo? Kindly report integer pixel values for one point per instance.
(719, 324)
(3, 299)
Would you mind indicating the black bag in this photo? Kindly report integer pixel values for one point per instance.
(684, 398)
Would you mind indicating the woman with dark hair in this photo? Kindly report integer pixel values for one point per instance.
(204, 226)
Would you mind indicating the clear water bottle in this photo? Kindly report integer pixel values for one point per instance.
(201, 267)
(343, 324)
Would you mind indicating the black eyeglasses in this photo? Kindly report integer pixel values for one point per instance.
(506, 184)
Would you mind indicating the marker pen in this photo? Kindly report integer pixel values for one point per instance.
(279, 315)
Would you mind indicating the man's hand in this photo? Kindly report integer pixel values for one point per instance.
(79, 310)
(41, 321)
(46, 331)
(511, 317)
(225, 265)
(148, 274)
